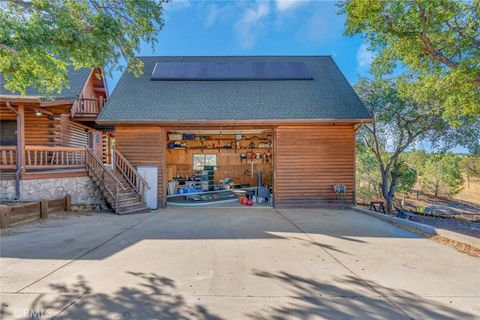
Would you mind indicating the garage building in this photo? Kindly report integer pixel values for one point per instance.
(283, 123)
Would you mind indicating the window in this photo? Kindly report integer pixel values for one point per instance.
(200, 160)
(90, 139)
(8, 132)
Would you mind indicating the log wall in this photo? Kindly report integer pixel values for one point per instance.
(309, 161)
(89, 90)
(41, 130)
(73, 134)
(7, 114)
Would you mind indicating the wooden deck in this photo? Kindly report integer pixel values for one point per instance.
(42, 162)
(87, 109)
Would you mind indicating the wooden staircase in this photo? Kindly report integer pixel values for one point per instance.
(122, 187)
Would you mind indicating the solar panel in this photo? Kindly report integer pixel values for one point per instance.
(278, 70)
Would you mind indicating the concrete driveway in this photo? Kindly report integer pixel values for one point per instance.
(234, 263)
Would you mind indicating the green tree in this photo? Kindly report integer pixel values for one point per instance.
(417, 160)
(367, 175)
(369, 179)
(442, 175)
(399, 124)
(40, 38)
(407, 177)
(470, 166)
(434, 43)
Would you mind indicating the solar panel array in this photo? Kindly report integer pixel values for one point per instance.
(285, 70)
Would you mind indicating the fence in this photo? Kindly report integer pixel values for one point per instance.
(11, 215)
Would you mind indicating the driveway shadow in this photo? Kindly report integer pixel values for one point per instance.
(153, 298)
(312, 299)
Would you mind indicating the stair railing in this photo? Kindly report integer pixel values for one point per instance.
(103, 174)
(131, 174)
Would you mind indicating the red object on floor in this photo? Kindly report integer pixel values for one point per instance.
(244, 200)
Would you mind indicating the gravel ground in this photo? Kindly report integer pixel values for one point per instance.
(471, 228)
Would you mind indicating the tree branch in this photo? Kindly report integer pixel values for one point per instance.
(432, 52)
(25, 4)
(7, 48)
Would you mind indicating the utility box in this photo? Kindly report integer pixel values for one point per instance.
(150, 174)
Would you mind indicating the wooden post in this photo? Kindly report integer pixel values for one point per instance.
(44, 209)
(5, 212)
(21, 139)
(68, 202)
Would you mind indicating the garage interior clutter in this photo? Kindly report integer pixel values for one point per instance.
(219, 167)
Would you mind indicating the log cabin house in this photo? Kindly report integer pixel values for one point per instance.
(280, 129)
(52, 145)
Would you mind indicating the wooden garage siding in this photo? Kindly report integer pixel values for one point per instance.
(144, 146)
(309, 161)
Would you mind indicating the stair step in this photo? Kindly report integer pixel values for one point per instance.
(131, 207)
(124, 202)
(143, 210)
(129, 194)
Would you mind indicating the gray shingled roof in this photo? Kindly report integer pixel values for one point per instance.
(77, 79)
(327, 96)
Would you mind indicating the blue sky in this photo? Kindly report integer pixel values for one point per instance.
(276, 27)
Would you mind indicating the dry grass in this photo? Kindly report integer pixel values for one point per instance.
(459, 246)
(470, 193)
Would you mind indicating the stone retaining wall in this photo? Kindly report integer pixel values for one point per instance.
(82, 190)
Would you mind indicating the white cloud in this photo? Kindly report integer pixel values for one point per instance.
(248, 27)
(323, 25)
(213, 13)
(178, 5)
(286, 5)
(364, 58)
(211, 16)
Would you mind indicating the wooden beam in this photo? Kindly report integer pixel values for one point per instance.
(41, 110)
(21, 138)
(99, 89)
(67, 102)
(19, 99)
(9, 106)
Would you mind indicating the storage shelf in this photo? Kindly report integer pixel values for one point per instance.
(216, 148)
(259, 139)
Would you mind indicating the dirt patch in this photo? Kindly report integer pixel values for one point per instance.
(470, 228)
(442, 206)
(460, 246)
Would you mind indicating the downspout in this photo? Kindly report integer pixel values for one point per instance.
(19, 168)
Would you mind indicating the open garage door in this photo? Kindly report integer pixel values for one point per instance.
(219, 167)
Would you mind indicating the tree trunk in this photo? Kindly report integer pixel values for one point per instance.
(389, 186)
(386, 191)
(391, 192)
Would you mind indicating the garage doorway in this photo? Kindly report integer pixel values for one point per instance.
(220, 167)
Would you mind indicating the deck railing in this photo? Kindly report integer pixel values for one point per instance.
(105, 177)
(8, 157)
(42, 157)
(130, 174)
(87, 107)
